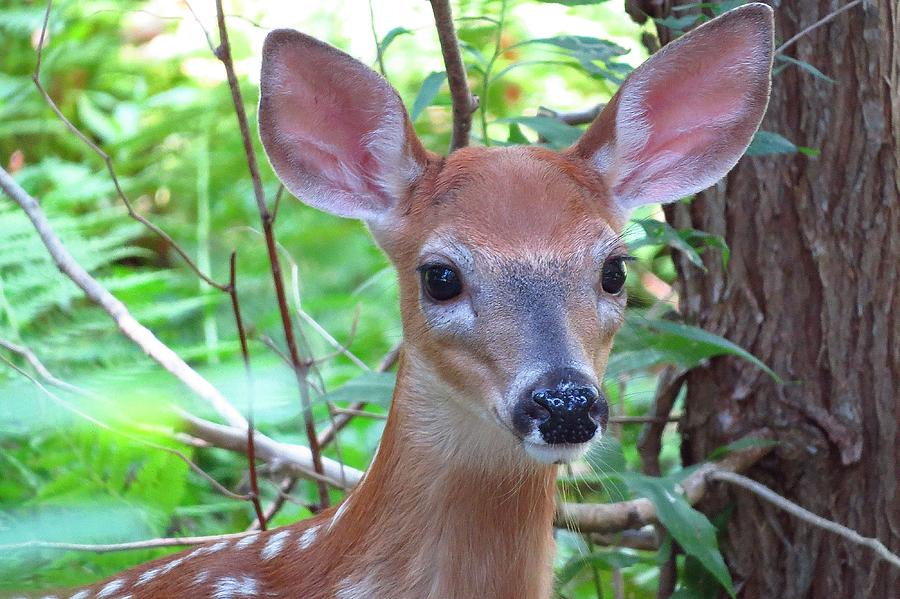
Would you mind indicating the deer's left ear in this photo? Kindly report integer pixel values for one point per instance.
(682, 120)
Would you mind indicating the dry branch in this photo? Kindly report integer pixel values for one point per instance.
(464, 102)
(635, 513)
(110, 547)
(130, 327)
(806, 515)
(223, 53)
(290, 459)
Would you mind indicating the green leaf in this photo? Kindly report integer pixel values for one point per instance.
(767, 142)
(391, 36)
(678, 23)
(516, 136)
(644, 343)
(603, 559)
(372, 387)
(807, 67)
(557, 133)
(427, 93)
(583, 47)
(693, 531)
(687, 241)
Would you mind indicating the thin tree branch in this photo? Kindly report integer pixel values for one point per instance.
(635, 513)
(36, 77)
(644, 539)
(130, 327)
(245, 355)
(650, 441)
(464, 102)
(816, 25)
(341, 420)
(284, 490)
(223, 53)
(39, 367)
(581, 117)
(111, 547)
(807, 516)
(290, 459)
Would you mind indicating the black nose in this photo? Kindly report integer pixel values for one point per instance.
(567, 410)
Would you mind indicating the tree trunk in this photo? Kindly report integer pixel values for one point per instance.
(812, 289)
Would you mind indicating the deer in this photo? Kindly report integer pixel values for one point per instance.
(512, 271)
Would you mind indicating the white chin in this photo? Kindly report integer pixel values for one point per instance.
(555, 454)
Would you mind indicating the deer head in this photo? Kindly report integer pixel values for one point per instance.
(510, 260)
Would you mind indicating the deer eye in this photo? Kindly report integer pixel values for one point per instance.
(613, 275)
(440, 282)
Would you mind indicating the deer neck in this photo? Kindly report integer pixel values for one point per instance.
(448, 509)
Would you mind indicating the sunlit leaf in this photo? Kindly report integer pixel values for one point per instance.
(806, 67)
(768, 142)
(427, 93)
(694, 532)
(391, 35)
(557, 133)
(372, 387)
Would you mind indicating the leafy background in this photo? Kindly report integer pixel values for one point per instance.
(139, 79)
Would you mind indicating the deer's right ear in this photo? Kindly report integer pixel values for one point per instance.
(335, 132)
(683, 118)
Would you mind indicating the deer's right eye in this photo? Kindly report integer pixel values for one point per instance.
(440, 282)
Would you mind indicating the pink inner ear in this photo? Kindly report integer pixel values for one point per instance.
(334, 131)
(329, 122)
(686, 116)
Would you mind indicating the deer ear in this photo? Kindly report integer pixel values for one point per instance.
(682, 120)
(335, 132)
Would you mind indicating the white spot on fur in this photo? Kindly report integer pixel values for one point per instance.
(125, 597)
(111, 588)
(247, 541)
(274, 545)
(172, 565)
(347, 589)
(147, 576)
(343, 507)
(80, 595)
(201, 577)
(235, 586)
(308, 537)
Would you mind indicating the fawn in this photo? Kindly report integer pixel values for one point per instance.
(511, 269)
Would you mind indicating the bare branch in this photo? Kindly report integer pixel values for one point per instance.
(644, 539)
(223, 53)
(464, 103)
(109, 548)
(624, 515)
(36, 77)
(293, 460)
(581, 117)
(816, 25)
(39, 367)
(284, 490)
(341, 420)
(807, 516)
(130, 327)
(650, 441)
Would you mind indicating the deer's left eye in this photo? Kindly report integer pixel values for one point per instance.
(613, 275)
(440, 282)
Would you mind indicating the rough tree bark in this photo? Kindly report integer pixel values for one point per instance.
(812, 289)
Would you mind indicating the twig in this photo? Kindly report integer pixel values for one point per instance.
(816, 25)
(379, 51)
(650, 441)
(360, 413)
(245, 355)
(635, 513)
(109, 548)
(130, 327)
(486, 76)
(284, 490)
(39, 367)
(807, 516)
(464, 103)
(581, 117)
(340, 348)
(99, 423)
(644, 539)
(294, 460)
(341, 420)
(223, 53)
(36, 77)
